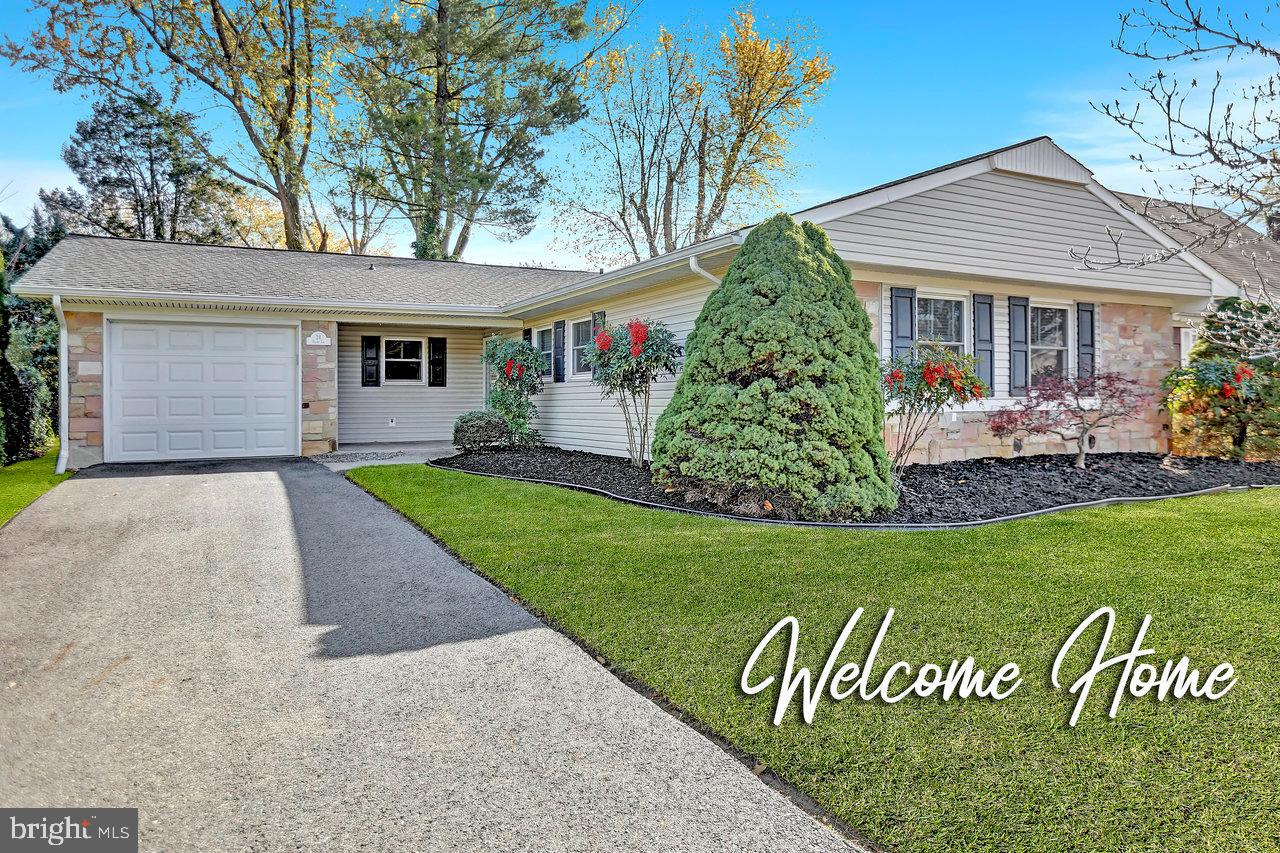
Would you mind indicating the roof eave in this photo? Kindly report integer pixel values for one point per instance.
(492, 315)
(668, 267)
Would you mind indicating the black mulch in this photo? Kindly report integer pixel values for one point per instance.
(954, 491)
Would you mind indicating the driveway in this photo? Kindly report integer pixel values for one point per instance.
(260, 656)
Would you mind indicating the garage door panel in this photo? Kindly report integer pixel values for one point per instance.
(184, 407)
(190, 391)
(132, 406)
(136, 370)
(229, 371)
(270, 405)
(273, 340)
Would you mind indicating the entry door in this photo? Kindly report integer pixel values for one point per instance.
(200, 391)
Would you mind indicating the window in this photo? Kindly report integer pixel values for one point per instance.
(581, 340)
(1048, 342)
(543, 341)
(940, 322)
(401, 360)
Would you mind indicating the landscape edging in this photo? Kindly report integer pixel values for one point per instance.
(853, 525)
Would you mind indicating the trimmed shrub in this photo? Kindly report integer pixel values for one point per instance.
(480, 429)
(778, 410)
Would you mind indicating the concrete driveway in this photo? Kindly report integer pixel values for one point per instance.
(259, 656)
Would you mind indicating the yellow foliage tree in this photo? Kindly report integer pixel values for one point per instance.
(685, 137)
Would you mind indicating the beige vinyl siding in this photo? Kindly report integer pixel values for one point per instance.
(997, 225)
(422, 413)
(571, 414)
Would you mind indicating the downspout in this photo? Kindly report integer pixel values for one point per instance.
(63, 390)
(695, 267)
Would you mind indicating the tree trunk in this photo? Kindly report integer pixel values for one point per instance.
(1082, 449)
(291, 208)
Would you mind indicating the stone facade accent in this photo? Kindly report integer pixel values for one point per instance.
(1135, 340)
(84, 388)
(319, 389)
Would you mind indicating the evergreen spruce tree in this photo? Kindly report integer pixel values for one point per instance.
(778, 409)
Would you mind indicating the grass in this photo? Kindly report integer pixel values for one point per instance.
(680, 602)
(23, 482)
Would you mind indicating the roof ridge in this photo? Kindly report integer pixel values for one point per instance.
(306, 252)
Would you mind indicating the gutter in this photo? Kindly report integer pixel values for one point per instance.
(232, 301)
(64, 392)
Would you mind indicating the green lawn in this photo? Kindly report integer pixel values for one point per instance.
(681, 601)
(23, 482)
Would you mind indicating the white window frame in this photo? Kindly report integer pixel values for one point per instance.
(549, 353)
(422, 361)
(1061, 305)
(965, 298)
(573, 361)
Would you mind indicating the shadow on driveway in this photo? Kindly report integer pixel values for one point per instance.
(382, 584)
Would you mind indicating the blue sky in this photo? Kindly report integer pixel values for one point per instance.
(910, 92)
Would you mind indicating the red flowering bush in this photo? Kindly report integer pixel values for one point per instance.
(919, 385)
(517, 375)
(1071, 409)
(624, 362)
(1225, 406)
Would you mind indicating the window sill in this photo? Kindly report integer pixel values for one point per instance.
(997, 404)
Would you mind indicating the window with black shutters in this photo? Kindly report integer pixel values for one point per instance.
(437, 369)
(401, 359)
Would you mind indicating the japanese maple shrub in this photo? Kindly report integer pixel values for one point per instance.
(918, 385)
(1071, 409)
(516, 370)
(625, 360)
(778, 409)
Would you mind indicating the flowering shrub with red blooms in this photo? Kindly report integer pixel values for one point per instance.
(1225, 406)
(919, 385)
(1071, 409)
(517, 375)
(624, 363)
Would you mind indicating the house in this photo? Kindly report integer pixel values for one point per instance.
(193, 352)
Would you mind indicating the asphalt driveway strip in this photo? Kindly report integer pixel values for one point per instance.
(260, 656)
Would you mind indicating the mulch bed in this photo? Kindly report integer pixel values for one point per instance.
(972, 490)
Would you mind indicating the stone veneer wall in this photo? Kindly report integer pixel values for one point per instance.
(1135, 340)
(84, 388)
(319, 389)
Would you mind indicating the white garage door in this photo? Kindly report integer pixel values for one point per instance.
(179, 391)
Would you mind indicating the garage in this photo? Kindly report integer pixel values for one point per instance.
(200, 391)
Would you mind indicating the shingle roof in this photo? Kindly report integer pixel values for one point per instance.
(109, 263)
(1233, 256)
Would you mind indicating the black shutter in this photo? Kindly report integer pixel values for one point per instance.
(436, 362)
(1019, 337)
(557, 352)
(902, 319)
(370, 361)
(597, 326)
(527, 334)
(1084, 340)
(984, 338)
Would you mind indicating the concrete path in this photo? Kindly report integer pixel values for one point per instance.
(259, 656)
